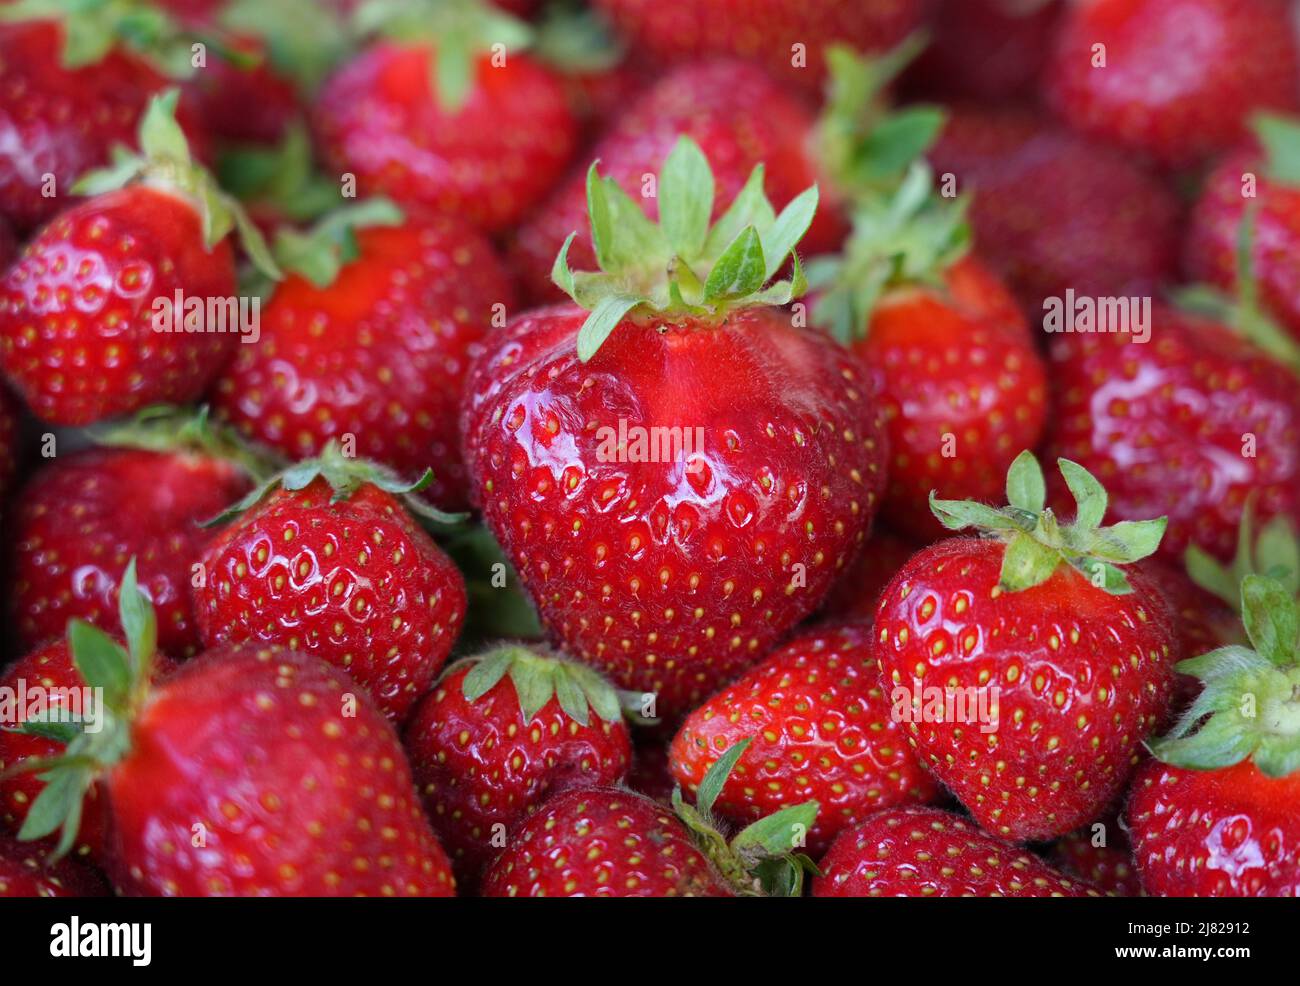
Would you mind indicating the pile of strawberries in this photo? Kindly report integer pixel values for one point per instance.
(650, 447)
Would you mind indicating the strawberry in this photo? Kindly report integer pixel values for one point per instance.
(25, 873)
(10, 438)
(1189, 424)
(672, 567)
(1108, 866)
(822, 729)
(373, 343)
(71, 537)
(651, 772)
(924, 852)
(1053, 210)
(1032, 664)
(80, 331)
(325, 558)
(1268, 186)
(478, 135)
(1214, 814)
(8, 245)
(858, 590)
(1174, 79)
(764, 31)
(954, 365)
(501, 731)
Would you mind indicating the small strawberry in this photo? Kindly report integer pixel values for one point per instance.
(325, 558)
(24, 872)
(79, 519)
(672, 567)
(1214, 814)
(924, 852)
(501, 731)
(950, 357)
(370, 336)
(1106, 865)
(858, 590)
(80, 331)
(1033, 664)
(476, 133)
(252, 771)
(823, 731)
(1174, 79)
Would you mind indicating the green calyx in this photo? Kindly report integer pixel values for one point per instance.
(457, 31)
(321, 252)
(1249, 705)
(166, 428)
(165, 163)
(1280, 138)
(304, 39)
(1037, 543)
(761, 860)
(101, 736)
(283, 176)
(345, 475)
(575, 40)
(909, 238)
(93, 28)
(682, 267)
(1274, 553)
(537, 677)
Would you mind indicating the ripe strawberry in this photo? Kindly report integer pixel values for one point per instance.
(326, 559)
(924, 852)
(1189, 424)
(24, 872)
(651, 772)
(1270, 190)
(822, 731)
(1053, 210)
(954, 364)
(80, 518)
(858, 590)
(1106, 865)
(672, 568)
(1034, 666)
(764, 31)
(251, 771)
(456, 130)
(8, 245)
(1179, 77)
(500, 732)
(79, 312)
(1214, 815)
(374, 344)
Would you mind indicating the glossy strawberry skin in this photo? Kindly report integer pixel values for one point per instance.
(673, 576)
(1230, 832)
(294, 795)
(380, 354)
(83, 517)
(1181, 76)
(1053, 210)
(1211, 255)
(601, 842)
(738, 117)
(1163, 425)
(486, 163)
(357, 583)
(821, 727)
(1083, 677)
(856, 593)
(24, 872)
(925, 852)
(480, 765)
(77, 335)
(762, 30)
(962, 388)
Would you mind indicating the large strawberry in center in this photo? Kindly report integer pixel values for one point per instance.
(676, 469)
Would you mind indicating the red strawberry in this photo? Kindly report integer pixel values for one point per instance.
(1106, 865)
(374, 346)
(1053, 210)
(1190, 424)
(1270, 190)
(8, 245)
(924, 852)
(82, 517)
(461, 132)
(253, 102)
(651, 771)
(960, 382)
(764, 31)
(1175, 79)
(822, 731)
(673, 567)
(1034, 667)
(498, 734)
(1214, 815)
(80, 311)
(327, 560)
(25, 873)
(251, 771)
(858, 590)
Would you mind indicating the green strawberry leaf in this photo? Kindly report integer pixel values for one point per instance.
(1270, 617)
(1026, 487)
(712, 783)
(776, 834)
(686, 198)
(101, 660)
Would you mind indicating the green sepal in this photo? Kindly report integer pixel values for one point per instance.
(168, 428)
(1280, 138)
(304, 39)
(1275, 553)
(321, 252)
(575, 40)
(537, 675)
